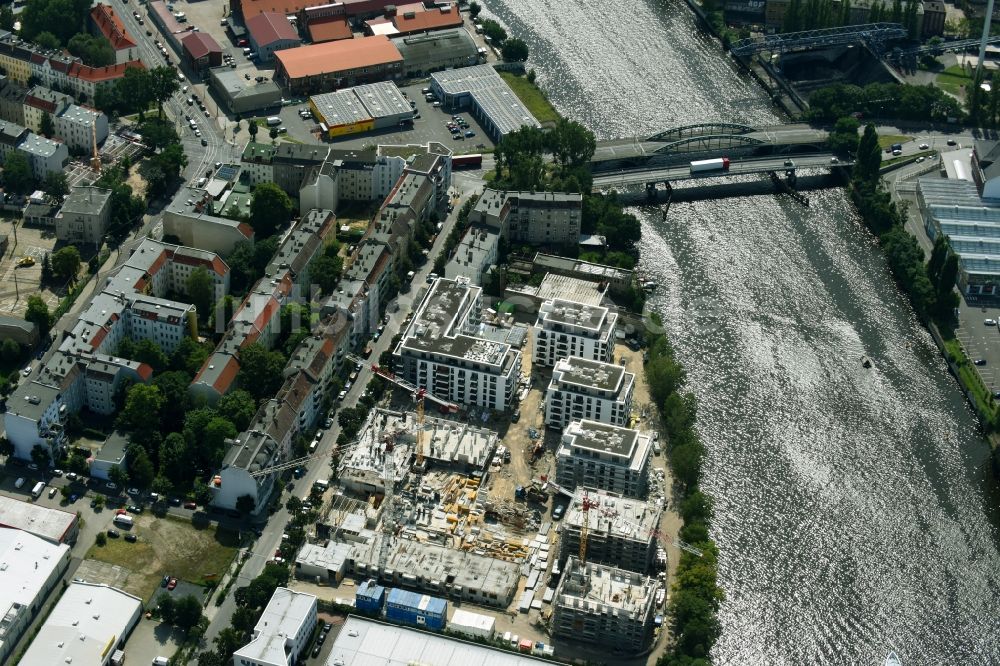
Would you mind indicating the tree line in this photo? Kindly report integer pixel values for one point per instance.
(695, 593)
(818, 14)
(883, 100)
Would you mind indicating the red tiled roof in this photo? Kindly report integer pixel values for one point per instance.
(246, 230)
(269, 27)
(111, 26)
(219, 266)
(98, 74)
(38, 103)
(145, 371)
(408, 21)
(329, 29)
(200, 44)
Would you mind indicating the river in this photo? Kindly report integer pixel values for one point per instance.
(854, 510)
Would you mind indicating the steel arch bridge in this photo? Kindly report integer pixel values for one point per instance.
(709, 143)
(700, 129)
(875, 35)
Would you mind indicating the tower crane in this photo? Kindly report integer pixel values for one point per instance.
(587, 502)
(95, 159)
(388, 508)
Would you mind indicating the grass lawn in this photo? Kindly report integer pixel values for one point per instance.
(969, 378)
(532, 97)
(907, 158)
(953, 81)
(886, 140)
(168, 546)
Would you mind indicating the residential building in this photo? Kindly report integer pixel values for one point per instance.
(603, 456)
(481, 91)
(336, 64)
(45, 155)
(537, 218)
(22, 332)
(12, 96)
(255, 162)
(80, 127)
(582, 389)
(12, 136)
(565, 328)
(201, 51)
(196, 228)
(87, 626)
(108, 24)
(41, 101)
(111, 455)
(935, 14)
(320, 188)
(441, 351)
(290, 162)
(600, 604)
(84, 215)
(283, 632)
(30, 568)
(621, 532)
(475, 257)
(270, 32)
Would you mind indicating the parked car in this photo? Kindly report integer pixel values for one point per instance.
(165, 581)
(19, 482)
(131, 538)
(557, 511)
(72, 476)
(990, 322)
(172, 584)
(114, 534)
(134, 508)
(980, 361)
(111, 485)
(516, 416)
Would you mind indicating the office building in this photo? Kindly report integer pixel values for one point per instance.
(566, 328)
(87, 627)
(283, 632)
(30, 567)
(441, 351)
(582, 389)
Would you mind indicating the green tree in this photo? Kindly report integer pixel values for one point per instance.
(252, 129)
(118, 476)
(56, 184)
(571, 143)
(141, 414)
(189, 356)
(47, 40)
(163, 83)
(175, 461)
(17, 175)
(173, 385)
(844, 137)
(38, 313)
(101, 539)
(245, 504)
(514, 50)
(938, 256)
(244, 620)
(474, 9)
(10, 351)
(6, 17)
(140, 468)
(238, 407)
(46, 125)
(148, 352)
(162, 486)
(95, 51)
(214, 445)
(869, 160)
(40, 456)
(494, 31)
(64, 18)
(158, 133)
(166, 607)
(46, 269)
(66, 263)
(325, 272)
(187, 613)
(201, 291)
(270, 209)
(260, 371)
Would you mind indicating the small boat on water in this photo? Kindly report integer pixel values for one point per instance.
(892, 660)
(866, 362)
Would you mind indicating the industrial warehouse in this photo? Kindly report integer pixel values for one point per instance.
(481, 90)
(363, 108)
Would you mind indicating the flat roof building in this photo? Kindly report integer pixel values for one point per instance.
(414, 18)
(538, 218)
(30, 567)
(585, 389)
(86, 627)
(240, 95)
(599, 455)
(600, 604)
(437, 50)
(492, 102)
(617, 279)
(365, 641)
(339, 63)
(565, 328)
(621, 531)
(441, 351)
(283, 631)
(53, 525)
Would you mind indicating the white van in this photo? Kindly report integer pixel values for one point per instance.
(273, 121)
(124, 521)
(201, 182)
(37, 491)
(161, 661)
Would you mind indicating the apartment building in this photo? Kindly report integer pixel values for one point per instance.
(536, 218)
(582, 389)
(41, 101)
(441, 349)
(106, 22)
(81, 127)
(621, 532)
(283, 632)
(608, 457)
(84, 215)
(567, 328)
(45, 155)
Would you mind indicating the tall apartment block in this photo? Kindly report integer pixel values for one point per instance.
(565, 328)
(581, 389)
(599, 455)
(621, 531)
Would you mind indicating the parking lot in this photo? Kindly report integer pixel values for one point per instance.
(19, 282)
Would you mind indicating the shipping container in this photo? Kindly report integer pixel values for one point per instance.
(471, 624)
(525, 645)
(369, 597)
(420, 610)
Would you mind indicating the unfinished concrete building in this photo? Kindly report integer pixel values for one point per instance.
(439, 570)
(600, 604)
(620, 531)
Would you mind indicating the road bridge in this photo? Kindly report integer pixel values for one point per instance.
(875, 35)
(675, 173)
(706, 140)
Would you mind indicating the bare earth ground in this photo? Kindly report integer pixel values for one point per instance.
(167, 546)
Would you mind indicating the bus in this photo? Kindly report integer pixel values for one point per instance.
(471, 161)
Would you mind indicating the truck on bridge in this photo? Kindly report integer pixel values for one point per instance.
(719, 163)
